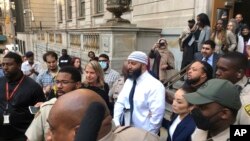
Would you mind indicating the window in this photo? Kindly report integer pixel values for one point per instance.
(81, 8)
(1, 13)
(69, 9)
(99, 6)
(60, 16)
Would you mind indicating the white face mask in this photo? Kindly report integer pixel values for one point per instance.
(103, 64)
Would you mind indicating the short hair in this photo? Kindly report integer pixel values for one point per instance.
(64, 50)
(238, 59)
(49, 53)
(239, 14)
(75, 74)
(104, 56)
(91, 52)
(15, 56)
(210, 42)
(29, 54)
(191, 21)
(244, 26)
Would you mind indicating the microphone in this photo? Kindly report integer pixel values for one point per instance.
(91, 123)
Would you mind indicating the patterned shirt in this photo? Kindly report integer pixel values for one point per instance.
(45, 79)
(110, 76)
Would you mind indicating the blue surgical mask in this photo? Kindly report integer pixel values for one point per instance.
(103, 64)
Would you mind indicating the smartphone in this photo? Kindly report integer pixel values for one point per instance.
(33, 109)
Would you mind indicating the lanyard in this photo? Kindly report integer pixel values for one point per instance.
(9, 96)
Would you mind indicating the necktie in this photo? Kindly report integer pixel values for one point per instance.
(205, 59)
(131, 97)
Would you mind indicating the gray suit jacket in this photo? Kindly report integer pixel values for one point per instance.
(204, 35)
(199, 56)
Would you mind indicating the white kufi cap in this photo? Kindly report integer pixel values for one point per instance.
(139, 56)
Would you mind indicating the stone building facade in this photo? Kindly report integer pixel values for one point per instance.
(79, 26)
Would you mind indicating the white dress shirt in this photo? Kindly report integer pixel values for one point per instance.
(149, 103)
(26, 67)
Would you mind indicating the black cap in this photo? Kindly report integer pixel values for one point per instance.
(29, 54)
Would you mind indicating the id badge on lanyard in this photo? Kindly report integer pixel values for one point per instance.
(9, 96)
(6, 115)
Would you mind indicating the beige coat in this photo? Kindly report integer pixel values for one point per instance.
(167, 59)
(39, 127)
(243, 116)
(201, 135)
(127, 133)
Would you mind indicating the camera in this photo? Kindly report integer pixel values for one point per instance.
(162, 44)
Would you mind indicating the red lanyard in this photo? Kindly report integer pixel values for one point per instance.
(9, 96)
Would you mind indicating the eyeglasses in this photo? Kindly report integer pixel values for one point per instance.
(57, 82)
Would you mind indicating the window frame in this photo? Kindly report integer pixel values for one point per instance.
(60, 11)
(81, 9)
(69, 10)
(99, 7)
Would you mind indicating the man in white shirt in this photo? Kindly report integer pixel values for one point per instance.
(30, 67)
(147, 105)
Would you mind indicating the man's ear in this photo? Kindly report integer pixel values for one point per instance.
(204, 75)
(78, 85)
(76, 129)
(225, 114)
(240, 73)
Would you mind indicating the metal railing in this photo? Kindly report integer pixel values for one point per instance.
(176, 77)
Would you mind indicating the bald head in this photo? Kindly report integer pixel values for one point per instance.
(68, 112)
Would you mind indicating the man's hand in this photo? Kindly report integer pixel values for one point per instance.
(47, 89)
(164, 67)
(156, 45)
(38, 104)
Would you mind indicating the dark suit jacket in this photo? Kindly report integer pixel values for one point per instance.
(184, 129)
(198, 56)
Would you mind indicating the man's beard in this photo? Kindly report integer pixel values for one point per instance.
(193, 81)
(135, 74)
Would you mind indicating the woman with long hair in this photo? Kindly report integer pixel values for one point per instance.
(225, 40)
(199, 34)
(76, 62)
(243, 39)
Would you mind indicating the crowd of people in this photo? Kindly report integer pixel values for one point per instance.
(96, 102)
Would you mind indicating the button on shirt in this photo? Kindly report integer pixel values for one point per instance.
(149, 103)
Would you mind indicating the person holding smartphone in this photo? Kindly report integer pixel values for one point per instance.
(67, 79)
(163, 60)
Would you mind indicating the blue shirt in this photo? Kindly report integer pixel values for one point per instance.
(45, 79)
(209, 60)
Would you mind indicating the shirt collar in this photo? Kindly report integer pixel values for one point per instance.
(242, 82)
(107, 71)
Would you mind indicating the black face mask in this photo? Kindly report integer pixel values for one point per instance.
(201, 121)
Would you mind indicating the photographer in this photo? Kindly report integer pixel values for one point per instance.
(163, 60)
